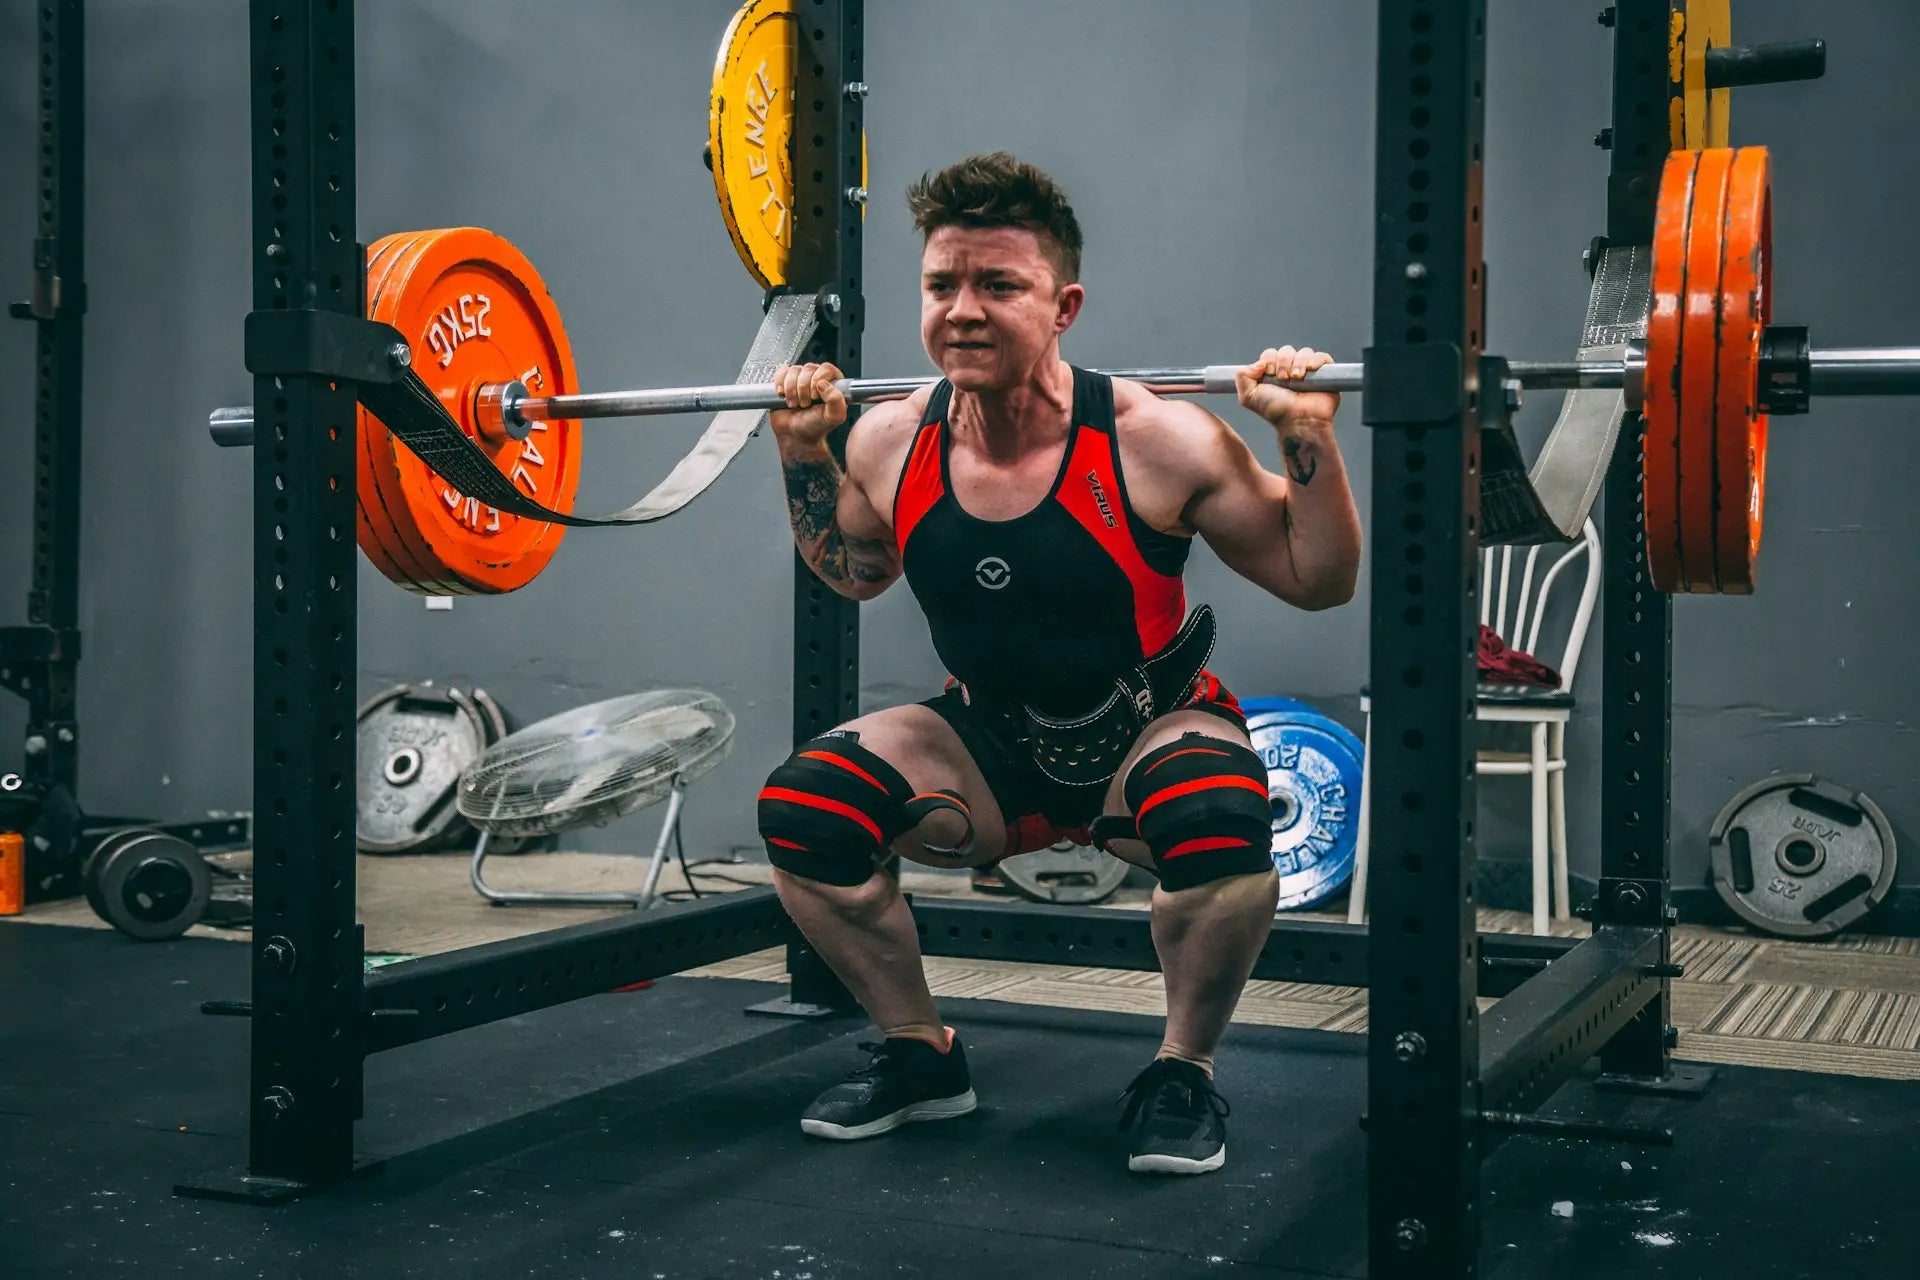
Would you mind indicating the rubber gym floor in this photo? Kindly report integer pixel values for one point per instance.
(654, 1134)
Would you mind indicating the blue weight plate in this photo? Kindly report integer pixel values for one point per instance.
(1251, 707)
(1313, 780)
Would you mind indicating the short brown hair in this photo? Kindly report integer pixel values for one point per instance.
(996, 190)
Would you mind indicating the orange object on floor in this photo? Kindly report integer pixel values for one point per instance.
(13, 873)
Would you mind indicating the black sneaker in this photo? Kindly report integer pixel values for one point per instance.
(1181, 1120)
(907, 1079)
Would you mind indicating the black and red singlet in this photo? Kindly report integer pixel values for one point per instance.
(1046, 608)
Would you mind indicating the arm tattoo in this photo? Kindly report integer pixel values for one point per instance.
(813, 489)
(870, 559)
(1301, 465)
(813, 493)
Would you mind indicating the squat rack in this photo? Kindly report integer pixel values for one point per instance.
(1445, 1084)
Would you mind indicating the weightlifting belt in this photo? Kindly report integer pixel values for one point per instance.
(1087, 749)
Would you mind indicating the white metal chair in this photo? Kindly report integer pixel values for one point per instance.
(1546, 710)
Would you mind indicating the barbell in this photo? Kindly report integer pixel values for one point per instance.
(507, 411)
(486, 339)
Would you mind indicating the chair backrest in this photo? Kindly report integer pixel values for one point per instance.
(1498, 585)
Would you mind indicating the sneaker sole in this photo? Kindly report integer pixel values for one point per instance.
(932, 1109)
(1176, 1164)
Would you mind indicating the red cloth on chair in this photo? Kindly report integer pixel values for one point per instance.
(1501, 665)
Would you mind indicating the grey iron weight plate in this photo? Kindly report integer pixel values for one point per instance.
(1802, 857)
(414, 742)
(1065, 873)
(148, 884)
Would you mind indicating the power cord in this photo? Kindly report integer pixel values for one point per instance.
(692, 891)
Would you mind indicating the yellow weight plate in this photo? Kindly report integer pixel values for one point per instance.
(1697, 116)
(750, 135)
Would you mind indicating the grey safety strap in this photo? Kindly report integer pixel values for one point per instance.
(1573, 463)
(784, 334)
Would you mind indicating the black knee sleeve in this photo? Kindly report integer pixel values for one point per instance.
(1201, 806)
(832, 810)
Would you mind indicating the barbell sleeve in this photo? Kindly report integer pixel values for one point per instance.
(1736, 65)
(1865, 371)
(1845, 371)
(232, 428)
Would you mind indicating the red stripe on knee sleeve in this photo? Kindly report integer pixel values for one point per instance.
(1179, 789)
(829, 806)
(844, 763)
(787, 844)
(1185, 751)
(1203, 843)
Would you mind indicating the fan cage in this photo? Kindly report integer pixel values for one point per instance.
(595, 763)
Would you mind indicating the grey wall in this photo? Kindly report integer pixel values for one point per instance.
(1220, 158)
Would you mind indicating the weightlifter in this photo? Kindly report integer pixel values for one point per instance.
(1042, 516)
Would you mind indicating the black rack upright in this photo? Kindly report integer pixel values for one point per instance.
(829, 119)
(1444, 1086)
(39, 661)
(828, 159)
(1636, 717)
(1423, 1050)
(305, 1091)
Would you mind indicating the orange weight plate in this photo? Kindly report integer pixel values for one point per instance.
(1700, 372)
(1665, 391)
(475, 312)
(418, 571)
(1740, 425)
(381, 497)
(379, 540)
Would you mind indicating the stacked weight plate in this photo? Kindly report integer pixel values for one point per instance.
(474, 312)
(147, 884)
(415, 740)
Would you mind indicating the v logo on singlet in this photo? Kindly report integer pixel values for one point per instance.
(992, 573)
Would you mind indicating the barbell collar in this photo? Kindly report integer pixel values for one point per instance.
(1633, 379)
(506, 411)
(496, 411)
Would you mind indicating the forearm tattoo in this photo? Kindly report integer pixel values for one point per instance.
(813, 493)
(1301, 464)
(813, 489)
